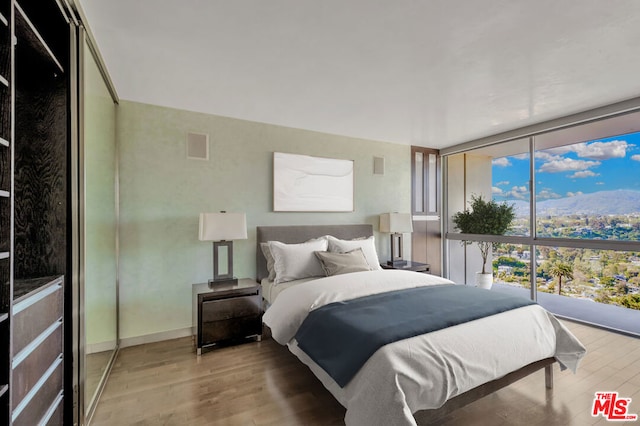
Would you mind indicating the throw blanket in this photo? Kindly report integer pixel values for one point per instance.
(341, 336)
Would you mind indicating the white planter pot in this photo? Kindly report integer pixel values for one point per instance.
(484, 280)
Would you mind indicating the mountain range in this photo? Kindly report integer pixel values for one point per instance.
(618, 202)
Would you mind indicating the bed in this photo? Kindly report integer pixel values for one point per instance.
(419, 378)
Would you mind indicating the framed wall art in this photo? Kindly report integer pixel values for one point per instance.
(302, 183)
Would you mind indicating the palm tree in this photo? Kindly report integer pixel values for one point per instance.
(561, 270)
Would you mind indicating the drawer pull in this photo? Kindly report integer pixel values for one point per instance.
(24, 353)
(35, 389)
(30, 301)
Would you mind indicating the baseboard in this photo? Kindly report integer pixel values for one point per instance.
(155, 337)
(92, 348)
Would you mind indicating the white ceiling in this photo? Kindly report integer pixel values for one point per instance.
(432, 73)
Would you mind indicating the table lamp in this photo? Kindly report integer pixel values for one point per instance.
(396, 224)
(222, 228)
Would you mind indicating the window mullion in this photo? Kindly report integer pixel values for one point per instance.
(533, 279)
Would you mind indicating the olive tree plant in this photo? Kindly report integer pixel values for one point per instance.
(484, 217)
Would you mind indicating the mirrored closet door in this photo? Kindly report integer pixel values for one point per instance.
(98, 179)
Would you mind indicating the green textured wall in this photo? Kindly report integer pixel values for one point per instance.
(100, 210)
(162, 192)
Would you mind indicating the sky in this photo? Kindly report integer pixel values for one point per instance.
(599, 165)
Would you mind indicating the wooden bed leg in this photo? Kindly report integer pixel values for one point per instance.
(548, 376)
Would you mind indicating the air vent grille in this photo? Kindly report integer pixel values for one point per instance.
(197, 146)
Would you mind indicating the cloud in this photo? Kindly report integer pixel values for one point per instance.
(584, 174)
(599, 183)
(547, 155)
(524, 156)
(592, 151)
(635, 157)
(546, 194)
(567, 165)
(573, 194)
(601, 150)
(502, 182)
(496, 191)
(501, 162)
(519, 192)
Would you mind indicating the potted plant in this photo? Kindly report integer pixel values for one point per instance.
(484, 217)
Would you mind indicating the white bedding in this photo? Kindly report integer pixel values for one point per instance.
(271, 290)
(425, 371)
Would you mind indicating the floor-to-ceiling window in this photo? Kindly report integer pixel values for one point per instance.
(576, 195)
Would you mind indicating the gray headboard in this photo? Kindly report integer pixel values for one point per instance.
(301, 233)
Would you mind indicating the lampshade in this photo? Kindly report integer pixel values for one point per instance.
(222, 226)
(396, 222)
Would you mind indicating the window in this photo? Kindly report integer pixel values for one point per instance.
(576, 193)
(590, 190)
(501, 173)
(424, 177)
(512, 265)
(605, 276)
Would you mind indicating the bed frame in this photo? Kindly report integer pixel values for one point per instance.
(301, 233)
(430, 416)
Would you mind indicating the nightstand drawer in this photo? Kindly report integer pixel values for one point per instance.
(233, 328)
(226, 313)
(217, 310)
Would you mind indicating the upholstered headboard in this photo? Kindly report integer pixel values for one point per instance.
(301, 233)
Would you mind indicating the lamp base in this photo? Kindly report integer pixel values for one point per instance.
(223, 281)
(396, 263)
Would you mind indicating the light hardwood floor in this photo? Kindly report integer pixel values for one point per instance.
(95, 366)
(261, 383)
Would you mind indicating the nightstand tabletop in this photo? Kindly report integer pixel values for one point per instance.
(243, 283)
(410, 266)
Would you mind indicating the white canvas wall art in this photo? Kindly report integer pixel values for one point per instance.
(302, 183)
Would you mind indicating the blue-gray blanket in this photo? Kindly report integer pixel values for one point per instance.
(340, 337)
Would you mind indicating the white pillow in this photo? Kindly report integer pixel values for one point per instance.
(368, 246)
(266, 251)
(296, 261)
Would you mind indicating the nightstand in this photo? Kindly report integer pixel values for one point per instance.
(226, 313)
(410, 266)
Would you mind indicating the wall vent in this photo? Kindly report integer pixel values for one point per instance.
(378, 165)
(197, 146)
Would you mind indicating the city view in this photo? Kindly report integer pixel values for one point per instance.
(588, 190)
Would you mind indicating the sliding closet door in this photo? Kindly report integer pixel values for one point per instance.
(99, 221)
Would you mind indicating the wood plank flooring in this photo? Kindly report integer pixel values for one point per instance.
(261, 383)
(95, 366)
